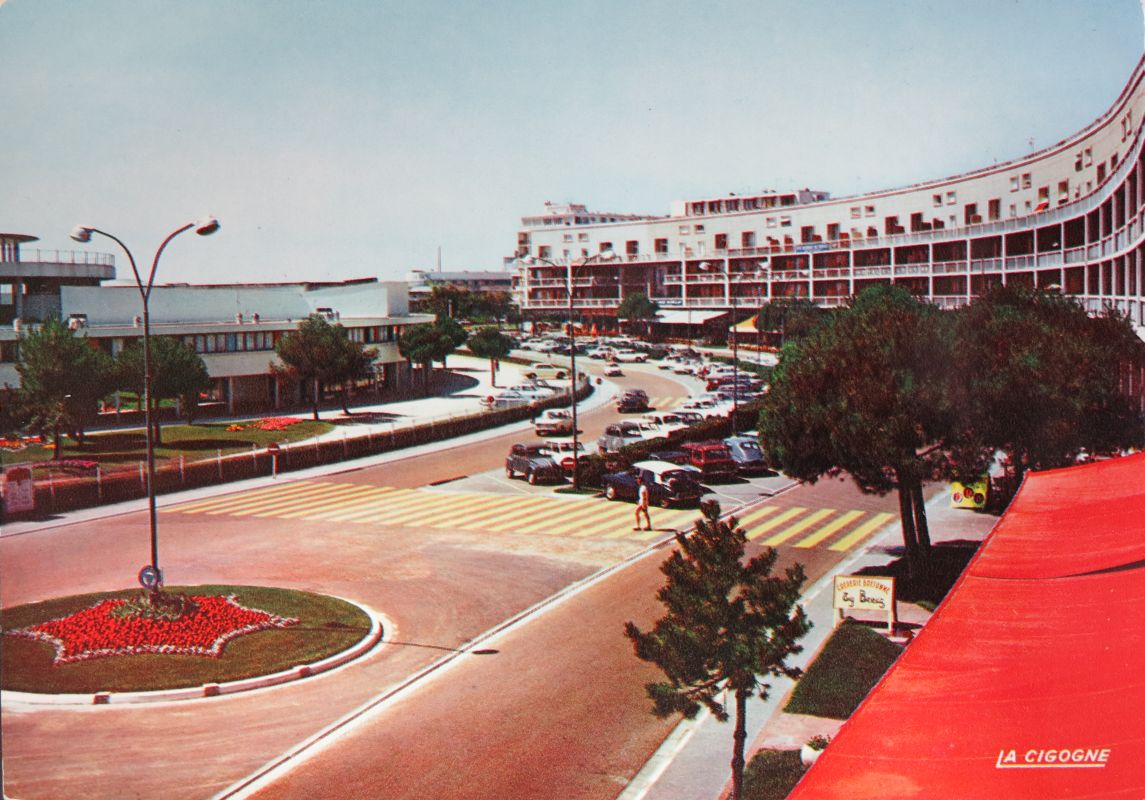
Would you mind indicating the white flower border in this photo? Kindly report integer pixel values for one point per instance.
(214, 651)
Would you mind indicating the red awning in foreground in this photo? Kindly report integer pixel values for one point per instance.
(1029, 681)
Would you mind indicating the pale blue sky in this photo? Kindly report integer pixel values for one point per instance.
(351, 139)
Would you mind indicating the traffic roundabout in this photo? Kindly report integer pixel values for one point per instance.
(182, 643)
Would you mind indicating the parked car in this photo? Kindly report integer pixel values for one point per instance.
(507, 399)
(553, 422)
(689, 417)
(599, 352)
(713, 459)
(668, 483)
(617, 436)
(668, 422)
(632, 400)
(747, 453)
(613, 370)
(708, 408)
(678, 457)
(545, 372)
(534, 462)
(561, 451)
(630, 356)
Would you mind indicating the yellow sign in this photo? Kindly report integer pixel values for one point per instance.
(865, 593)
(969, 495)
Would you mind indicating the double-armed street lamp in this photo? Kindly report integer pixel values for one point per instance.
(83, 233)
(603, 255)
(707, 266)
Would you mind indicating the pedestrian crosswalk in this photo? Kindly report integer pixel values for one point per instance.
(327, 501)
(668, 402)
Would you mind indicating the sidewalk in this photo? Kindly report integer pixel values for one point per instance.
(694, 763)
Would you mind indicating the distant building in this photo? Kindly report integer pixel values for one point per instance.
(1069, 217)
(421, 282)
(234, 327)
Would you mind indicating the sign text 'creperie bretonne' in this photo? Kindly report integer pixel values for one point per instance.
(1053, 758)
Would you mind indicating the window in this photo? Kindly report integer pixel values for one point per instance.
(697, 229)
(856, 212)
(605, 246)
(1014, 183)
(1101, 172)
(1063, 191)
(721, 241)
(685, 230)
(937, 200)
(951, 198)
(747, 239)
(1077, 163)
(632, 248)
(995, 209)
(582, 237)
(7, 296)
(544, 251)
(568, 237)
(870, 210)
(770, 222)
(661, 245)
(785, 222)
(1027, 180)
(1089, 156)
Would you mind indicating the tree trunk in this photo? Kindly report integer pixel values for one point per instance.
(740, 742)
(922, 530)
(909, 534)
(493, 372)
(314, 400)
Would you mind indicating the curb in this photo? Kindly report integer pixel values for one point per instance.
(32, 700)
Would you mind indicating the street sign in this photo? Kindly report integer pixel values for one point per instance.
(150, 578)
(865, 593)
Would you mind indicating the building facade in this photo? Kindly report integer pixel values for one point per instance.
(233, 327)
(1071, 215)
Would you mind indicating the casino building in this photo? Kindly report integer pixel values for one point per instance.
(1070, 216)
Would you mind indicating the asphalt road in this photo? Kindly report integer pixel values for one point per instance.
(552, 707)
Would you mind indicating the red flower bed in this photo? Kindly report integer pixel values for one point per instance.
(204, 630)
(276, 423)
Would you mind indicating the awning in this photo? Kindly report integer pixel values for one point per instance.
(682, 317)
(1028, 680)
(747, 326)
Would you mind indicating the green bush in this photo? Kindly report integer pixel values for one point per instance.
(852, 661)
(772, 774)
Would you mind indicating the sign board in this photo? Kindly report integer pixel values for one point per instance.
(865, 593)
(969, 495)
(813, 247)
(18, 490)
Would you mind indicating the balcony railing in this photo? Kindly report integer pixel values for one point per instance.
(40, 256)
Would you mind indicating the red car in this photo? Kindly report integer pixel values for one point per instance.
(712, 459)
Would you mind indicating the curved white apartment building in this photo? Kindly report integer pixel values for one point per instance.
(1071, 215)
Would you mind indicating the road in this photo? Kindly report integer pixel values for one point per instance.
(553, 707)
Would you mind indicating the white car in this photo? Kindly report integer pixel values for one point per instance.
(506, 400)
(667, 422)
(709, 408)
(561, 451)
(553, 421)
(613, 371)
(630, 356)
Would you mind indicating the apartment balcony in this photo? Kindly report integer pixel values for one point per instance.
(62, 265)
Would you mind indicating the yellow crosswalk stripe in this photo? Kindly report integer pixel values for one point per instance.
(514, 518)
(342, 500)
(445, 504)
(619, 517)
(749, 519)
(252, 508)
(878, 521)
(474, 521)
(392, 503)
(758, 530)
(799, 526)
(465, 506)
(829, 529)
(199, 506)
(662, 520)
(575, 521)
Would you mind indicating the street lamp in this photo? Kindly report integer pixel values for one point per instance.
(707, 266)
(603, 255)
(82, 233)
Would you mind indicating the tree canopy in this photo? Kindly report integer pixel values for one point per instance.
(864, 393)
(177, 371)
(62, 379)
(1036, 377)
(490, 343)
(319, 353)
(727, 624)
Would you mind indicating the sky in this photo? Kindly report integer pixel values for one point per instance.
(339, 139)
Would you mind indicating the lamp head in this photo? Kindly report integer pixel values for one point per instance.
(206, 226)
(81, 233)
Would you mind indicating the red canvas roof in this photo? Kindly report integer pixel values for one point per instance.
(1029, 681)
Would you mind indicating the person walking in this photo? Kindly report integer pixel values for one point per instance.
(643, 498)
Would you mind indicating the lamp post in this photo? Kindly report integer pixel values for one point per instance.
(83, 233)
(707, 266)
(603, 255)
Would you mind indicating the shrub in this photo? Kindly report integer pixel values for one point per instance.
(852, 661)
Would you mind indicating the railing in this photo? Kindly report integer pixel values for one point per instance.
(38, 256)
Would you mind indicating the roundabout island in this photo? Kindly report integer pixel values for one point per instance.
(180, 643)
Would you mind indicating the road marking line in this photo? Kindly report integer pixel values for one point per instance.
(799, 526)
(749, 520)
(468, 506)
(774, 522)
(394, 502)
(533, 514)
(252, 508)
(472, 522)
(829, 529)
(361, 495)
(862, 531)
(246, 497)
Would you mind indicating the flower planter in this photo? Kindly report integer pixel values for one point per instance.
(808, 755)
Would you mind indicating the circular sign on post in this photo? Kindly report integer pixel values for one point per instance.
(150, 578)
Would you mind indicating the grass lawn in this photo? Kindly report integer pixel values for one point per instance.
(192, 441)
(326, 626)
(846, 669)
(772, 774)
